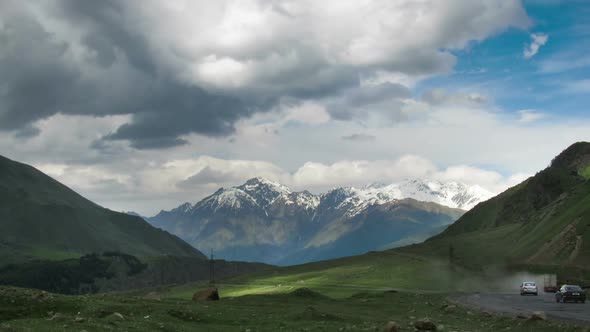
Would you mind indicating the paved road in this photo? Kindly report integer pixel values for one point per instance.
(514, 304)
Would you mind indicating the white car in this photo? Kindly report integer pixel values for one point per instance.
(529, 287)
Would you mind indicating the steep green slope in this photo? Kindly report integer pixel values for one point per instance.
(41, 218)
(542, 221)
(541, 224)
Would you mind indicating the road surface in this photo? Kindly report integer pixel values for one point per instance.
(514, 304)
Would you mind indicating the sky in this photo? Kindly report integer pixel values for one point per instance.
(143, 105)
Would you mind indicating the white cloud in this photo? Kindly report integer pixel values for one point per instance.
(337, 60)
(579, 86)
(168, 176)
(278, 46)
(359, 137)
(96, 179)
(539, 39)
(177, 181)
(490, 180)
(457, 141)
(564, 62)
(321, 177)
(440, 96)
(307, 113)
(527, 116)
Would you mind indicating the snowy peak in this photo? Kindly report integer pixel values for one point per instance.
(304, 199)
(258, 193)
(259, 183)
(264, 191)
(450, 194)
(183, 208)
(261, 194)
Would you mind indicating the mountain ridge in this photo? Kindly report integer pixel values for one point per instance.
(42, 218)
(451, 194)
(266, 219)
(542, 221)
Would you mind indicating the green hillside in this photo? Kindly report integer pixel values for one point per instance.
(542, 224)
(41, 218)
(544, 221)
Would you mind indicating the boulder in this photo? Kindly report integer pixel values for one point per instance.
(538, 315)
(118, 316)
(391, 327)
(57, 317)
(307, 293)
(450, 308)
(209, 294)
(425, 324)
(153, 296)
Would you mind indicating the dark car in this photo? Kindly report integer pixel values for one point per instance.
(571, 293)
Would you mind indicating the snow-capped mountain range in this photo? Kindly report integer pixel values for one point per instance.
(262, 220)
(261, 193)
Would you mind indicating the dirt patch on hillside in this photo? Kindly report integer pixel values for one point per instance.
(565, 245)
(576, 251)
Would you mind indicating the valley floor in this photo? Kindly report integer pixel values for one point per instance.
(361, 293)
(301, 310)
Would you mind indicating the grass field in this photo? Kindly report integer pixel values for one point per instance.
(585, 172)
(27, 310)
(378, 271)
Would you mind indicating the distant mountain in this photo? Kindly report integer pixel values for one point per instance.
(42, 218)
(543, 221)
(132, 213)
(262, 220)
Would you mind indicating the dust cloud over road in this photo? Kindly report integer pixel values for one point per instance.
(513, 303)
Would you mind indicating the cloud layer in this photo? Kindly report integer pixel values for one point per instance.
(145, 105)
(184, 67)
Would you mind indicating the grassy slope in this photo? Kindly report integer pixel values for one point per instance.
(376, 271)
(499, 232)
(26, 310)
(522, 227)
(339, 277)
(41, 218)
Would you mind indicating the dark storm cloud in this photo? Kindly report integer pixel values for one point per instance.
(113, 57)
(36, 82)
(107, 31)
(357, 102)
(177, 110)
(27, 132)
(115, 75)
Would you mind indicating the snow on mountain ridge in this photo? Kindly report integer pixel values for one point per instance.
(262, 193)
(450, 194)
(257, 193)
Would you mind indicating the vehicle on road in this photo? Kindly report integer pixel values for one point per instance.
(550, 283)
(570, 293)
(529, 287)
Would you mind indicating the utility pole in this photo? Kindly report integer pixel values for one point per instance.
(211, 269)
(451, 254)
(452, 257)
